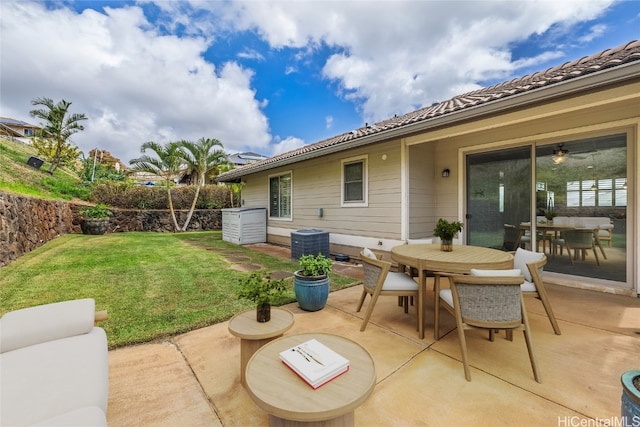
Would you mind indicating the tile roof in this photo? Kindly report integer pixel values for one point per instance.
(606, 59)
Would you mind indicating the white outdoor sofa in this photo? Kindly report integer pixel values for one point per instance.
(54, 366)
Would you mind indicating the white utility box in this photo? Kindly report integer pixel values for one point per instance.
(244, 226)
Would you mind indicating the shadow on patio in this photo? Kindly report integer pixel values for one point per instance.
(194, 379)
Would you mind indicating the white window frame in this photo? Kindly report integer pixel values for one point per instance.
(365, 182)
(280, 218)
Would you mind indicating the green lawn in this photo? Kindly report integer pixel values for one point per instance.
(153, 284)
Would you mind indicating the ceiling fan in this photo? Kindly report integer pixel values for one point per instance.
(559, 155)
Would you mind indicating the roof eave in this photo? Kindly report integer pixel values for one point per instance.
(578, 84)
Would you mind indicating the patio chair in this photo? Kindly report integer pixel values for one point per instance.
(532, 266)
(379, 281)
(580, 239)
(512, 236)
(412, 271)
(490, 303)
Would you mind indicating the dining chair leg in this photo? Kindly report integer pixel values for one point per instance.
(595, 253)
(367, 316)
(571, 256)
(599, 244)
(509, 334)
(436, 308)
(463, 352)
(527, 337)
(362, 297)
(542, 296)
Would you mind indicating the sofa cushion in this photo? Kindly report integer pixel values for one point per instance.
(52, 378)
(34, 325)
(523, 257)
(369, 253)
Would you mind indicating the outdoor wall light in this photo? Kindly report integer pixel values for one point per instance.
(446, 173)
(320, 212)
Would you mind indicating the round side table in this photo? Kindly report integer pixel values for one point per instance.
(291, 402)
(254, 334)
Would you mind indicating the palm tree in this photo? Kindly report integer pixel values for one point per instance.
(53, 141)
(166, 164)
(203, 160)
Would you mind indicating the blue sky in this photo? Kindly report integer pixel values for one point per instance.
(270, 76)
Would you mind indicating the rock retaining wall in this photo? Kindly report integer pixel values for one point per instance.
(27, 223)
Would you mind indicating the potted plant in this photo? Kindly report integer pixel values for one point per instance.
(311, 281)
(549, 215)
(95, 219)
(446, 231)
(630, 397)
(262, 290)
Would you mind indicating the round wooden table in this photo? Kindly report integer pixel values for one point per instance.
(292, 402)
(429, 257)
(254, 334)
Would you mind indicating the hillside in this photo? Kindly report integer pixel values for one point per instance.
(17, 177)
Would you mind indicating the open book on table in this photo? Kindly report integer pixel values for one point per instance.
(314, 362)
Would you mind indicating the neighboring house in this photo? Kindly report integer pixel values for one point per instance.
(565, 139)
(17, 129)
(242, 159)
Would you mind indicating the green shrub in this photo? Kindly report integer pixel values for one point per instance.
(98, 211)
(128, 195)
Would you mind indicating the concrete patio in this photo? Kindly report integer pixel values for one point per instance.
(193, 379)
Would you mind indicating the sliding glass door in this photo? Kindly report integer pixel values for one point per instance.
(580, 185)
(498, 193)
(583, 185)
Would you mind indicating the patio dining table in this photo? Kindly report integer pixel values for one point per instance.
(556, 230)
(429, 257)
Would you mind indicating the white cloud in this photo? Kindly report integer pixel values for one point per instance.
(596, 32)
(328, 122)
(398, 55)
(133, 83)
(140, 80)
(251, 54)
(287, 144)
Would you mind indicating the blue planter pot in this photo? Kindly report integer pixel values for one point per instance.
(630, 408)
(311, 292)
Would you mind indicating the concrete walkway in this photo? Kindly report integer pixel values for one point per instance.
(194, 379)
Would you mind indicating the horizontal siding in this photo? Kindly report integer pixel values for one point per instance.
(317, 184)
(422, 196)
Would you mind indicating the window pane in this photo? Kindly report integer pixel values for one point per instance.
(354, 182)
(353, 191)
(280, 196)
(285, 196)
(274, 197)
(353, 172)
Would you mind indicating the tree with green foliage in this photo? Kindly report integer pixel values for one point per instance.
(203, 160)
(166, 164)
(235, 192)
(53, 141)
